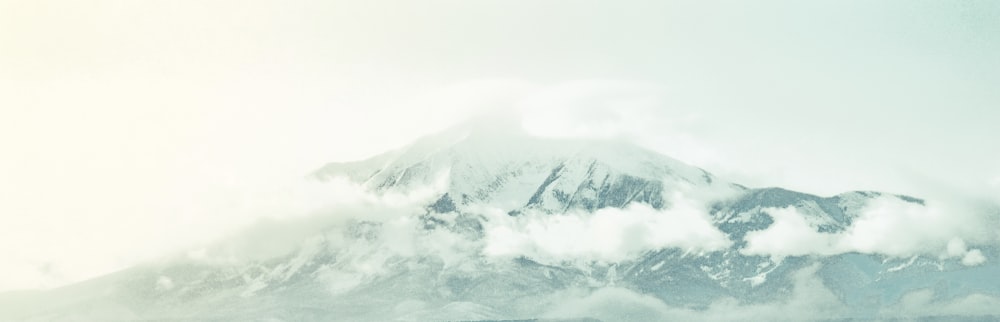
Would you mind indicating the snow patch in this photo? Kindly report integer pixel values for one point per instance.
(904, 265)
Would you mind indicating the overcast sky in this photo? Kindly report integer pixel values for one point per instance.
(131, 128)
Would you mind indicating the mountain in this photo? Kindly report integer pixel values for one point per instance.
(502, 166)
(361, 272)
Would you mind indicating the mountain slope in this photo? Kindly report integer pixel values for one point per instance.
(501, 166)
(367, 270)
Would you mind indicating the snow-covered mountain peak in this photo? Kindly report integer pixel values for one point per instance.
(444, 265)
(500, 164)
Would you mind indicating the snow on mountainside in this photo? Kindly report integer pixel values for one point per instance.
(433, 267)
(499, 165)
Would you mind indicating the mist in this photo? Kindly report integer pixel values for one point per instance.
(139, 137)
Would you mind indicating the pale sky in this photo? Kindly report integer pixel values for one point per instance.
(132, 128)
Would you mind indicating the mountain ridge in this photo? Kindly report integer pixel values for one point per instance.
(363, 273)
(513, 170)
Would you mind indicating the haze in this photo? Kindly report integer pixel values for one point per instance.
(131, 129)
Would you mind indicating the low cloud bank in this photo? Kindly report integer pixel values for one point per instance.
(607, 235)
(329, 210)
(370, 233)
(888, 226)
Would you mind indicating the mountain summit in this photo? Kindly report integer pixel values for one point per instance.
(501, 165)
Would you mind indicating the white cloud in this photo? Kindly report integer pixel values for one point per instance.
(973, 257)
(887, 225)
(608, 235)
(789, 235)
(648, 113)
(592, 108)
(287, 216)
(23, 274)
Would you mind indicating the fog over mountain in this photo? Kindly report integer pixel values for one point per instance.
(454, 160)
(487, 222)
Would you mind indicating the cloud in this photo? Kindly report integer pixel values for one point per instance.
(973, 257)
(887, 225)
(23, 274)
(789, 235)
(607, 235)
(395, 224)
(592, 108)
(287, 216)
(651, 114)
